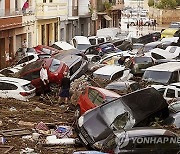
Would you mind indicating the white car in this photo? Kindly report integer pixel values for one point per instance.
(170, 52)
(169, 92)
(19, 89)
(80, 42)
(9, 71)
(62, 45)
(109, 72)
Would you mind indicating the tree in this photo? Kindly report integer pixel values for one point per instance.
(167, 4)
(178, 2)
(107, 6)
(150, 3)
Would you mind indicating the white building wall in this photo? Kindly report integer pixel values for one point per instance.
(83, 7)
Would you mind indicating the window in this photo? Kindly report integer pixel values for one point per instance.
(170, 93)
(7, 86)
(75, 68)
(28, 87)
(32, 75)
(161, 90)
(26, 59)
(54, 65)
(92, 94)
(44, 1)
(92, 41)
(101, 40)
(98, 100)
(50, 1)
(173, 49)
(178, 93)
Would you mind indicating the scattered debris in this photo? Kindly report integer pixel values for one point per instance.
(5, 148)
(54, 140)
(1, 123)
(37, 109)
(27, 151)
(22, 123)
(15, 132)
(12, 109)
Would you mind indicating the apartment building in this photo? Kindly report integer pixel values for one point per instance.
(15, 26)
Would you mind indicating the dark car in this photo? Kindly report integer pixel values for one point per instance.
(77, 65)
(142, 140)
(123, 87)
(139, 64)
(55, 70)
(148, 38)
(123, 45)
(136, 109)
(101, 49)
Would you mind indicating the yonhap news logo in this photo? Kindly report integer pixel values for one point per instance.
(123, 140)
(156, 140)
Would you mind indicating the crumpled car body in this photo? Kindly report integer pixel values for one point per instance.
(136, 109)
(170, 52)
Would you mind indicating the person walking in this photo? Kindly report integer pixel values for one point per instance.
(64, 88)
(44, 80)
(24, 48)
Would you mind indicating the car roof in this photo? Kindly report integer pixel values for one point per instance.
(137, 132)
(169, 66)
(71, 59)
(108, 70)
(14, 80)
(81, 40)
(175, 84)
(106, 92)
(144, 102)
(64, 45)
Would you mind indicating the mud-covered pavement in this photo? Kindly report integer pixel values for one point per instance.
(16, 114)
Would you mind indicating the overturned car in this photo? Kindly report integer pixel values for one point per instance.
(132, 110)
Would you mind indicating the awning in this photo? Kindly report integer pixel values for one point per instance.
(107, 17)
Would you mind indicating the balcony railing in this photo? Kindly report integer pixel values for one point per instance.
(15, 12)
(45, 10)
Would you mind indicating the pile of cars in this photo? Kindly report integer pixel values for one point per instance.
(110, 118)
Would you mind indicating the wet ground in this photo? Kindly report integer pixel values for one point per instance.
(16, 114)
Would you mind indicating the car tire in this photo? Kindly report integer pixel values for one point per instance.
(77, 112)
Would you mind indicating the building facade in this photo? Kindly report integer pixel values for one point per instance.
(15, 26)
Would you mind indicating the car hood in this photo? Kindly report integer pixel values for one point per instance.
(108, 70)
(98, 128)
(164, 53)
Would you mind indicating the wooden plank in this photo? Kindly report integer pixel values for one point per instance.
(15, 132)
(5, 147)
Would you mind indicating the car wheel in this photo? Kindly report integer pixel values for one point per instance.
(77, 112)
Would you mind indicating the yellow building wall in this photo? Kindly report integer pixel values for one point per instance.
(51, 35)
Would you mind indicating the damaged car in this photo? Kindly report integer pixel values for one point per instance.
(55, 69)
(136, 109)
(77, 65)
(92, 97)
(19, 89)
(142, 140)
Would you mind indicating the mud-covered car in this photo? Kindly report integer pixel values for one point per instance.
(136, 109)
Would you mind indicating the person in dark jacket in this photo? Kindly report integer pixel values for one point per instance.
(64, 88)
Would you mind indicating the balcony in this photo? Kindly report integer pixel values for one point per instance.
(10, 22)
(83, 8)
(50, 10)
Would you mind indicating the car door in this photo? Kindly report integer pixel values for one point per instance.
(8, 90)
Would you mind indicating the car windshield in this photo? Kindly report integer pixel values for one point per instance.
(54, 65)
(83, 46)
(28, 87)
(47, 51)
(157, 76)
(142, 59)
(116, 114)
